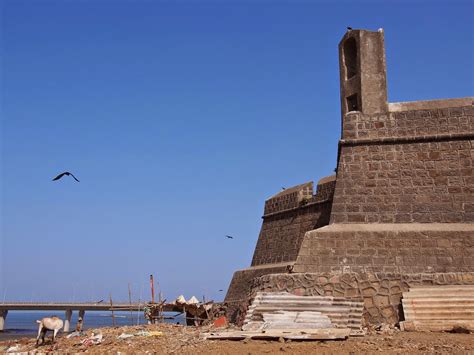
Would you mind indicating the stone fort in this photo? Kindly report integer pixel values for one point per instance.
(398, 212)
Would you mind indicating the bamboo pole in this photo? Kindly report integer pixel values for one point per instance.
(152, 289)
(130, 301)
(112, 309)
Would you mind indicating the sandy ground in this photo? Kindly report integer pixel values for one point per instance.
(188, 340)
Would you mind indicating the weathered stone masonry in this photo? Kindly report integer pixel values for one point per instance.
(288, 216)
(400, 211)
(408, 166)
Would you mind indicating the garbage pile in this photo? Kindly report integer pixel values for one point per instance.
(195, 312)
(162, 338)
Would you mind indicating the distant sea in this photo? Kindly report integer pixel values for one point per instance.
(23, 323)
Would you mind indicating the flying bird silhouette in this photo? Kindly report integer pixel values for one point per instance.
(349, 28)
(221, 290)
(229, 236)
(65, 173)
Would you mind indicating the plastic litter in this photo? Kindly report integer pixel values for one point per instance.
(142, 333)
(74, 334)
(12, 349)
(180, 300)
(125, 336)
(155, 333)
(193, 300)
(93, 339)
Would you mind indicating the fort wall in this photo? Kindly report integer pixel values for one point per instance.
(402, 248)
(399, 213)
(288, 216)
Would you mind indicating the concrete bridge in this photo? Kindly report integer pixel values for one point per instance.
(69, 307)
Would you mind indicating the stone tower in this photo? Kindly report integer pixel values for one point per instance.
(399, 212)
(363, 73)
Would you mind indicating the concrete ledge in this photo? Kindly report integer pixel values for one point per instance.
(394, 227)
(407, 139)
(429, 104)
(267, 266)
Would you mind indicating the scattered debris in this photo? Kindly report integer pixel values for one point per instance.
(282, 310)
(220, 322)
(196, 313)
(125, 336)
(74, 334)
(460, 330)
(284, 316)
(282, 335)
(180, 300)
(191, 340)
(154, 333)
(193, 300)
(12, 349)
(93, 339)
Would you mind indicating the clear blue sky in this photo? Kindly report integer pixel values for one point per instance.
(180, 118)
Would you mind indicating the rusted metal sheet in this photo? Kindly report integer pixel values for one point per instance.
(282, 310)
(438, 308)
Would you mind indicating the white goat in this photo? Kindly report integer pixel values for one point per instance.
(48, 323)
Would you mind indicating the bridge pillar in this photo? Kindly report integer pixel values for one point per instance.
(67, 321)
(3, 316)
(80, 320)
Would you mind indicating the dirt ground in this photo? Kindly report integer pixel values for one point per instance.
(188, 340)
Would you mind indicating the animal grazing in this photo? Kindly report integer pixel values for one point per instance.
(67, 173)
(48, 323)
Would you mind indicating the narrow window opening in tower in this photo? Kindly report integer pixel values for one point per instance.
(350, 57)
(352, 103)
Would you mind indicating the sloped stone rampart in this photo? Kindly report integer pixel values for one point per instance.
(401, 248)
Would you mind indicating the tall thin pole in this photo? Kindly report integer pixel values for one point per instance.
(139, 304)
(152, 289)
(130, 301)
(112, 309)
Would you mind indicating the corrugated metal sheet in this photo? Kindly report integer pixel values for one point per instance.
(438, 308)
(278, 310)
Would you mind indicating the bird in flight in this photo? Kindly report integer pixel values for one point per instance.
(221, 290)
(229, 236)
(349, 28)
(65, 173)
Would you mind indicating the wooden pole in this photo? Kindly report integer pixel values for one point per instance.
(112, 309)
(152, 286)
(130, 301)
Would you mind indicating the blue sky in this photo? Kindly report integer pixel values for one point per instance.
(180, 118)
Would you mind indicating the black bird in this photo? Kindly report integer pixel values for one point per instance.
(349, 28)
(100, 301)
(221, 290)
(229, 236)
(65, 173)
(283, 188)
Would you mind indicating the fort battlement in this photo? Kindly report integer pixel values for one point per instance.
(399, 211)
